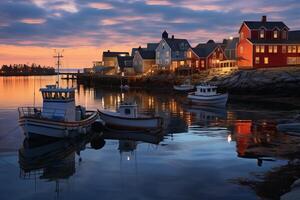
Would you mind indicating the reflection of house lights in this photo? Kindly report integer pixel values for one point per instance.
(229, 139)
(128, 158)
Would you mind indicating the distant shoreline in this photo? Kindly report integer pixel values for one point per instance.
(41, 74)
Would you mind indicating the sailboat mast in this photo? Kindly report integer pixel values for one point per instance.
(58, 57)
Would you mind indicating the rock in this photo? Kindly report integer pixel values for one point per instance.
(294, 194)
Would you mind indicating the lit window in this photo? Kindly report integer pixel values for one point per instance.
(266, 60)
(275, 49)
(221, 56)
(257, 49)
(283, 49)
(202, 63)
(262, 49)
(275, 34)
(256, 60)
(189, 54)
(289, 49)
(181, 63)
(197, 63)
(262, 33)
(270, 49)
(298, 49)
(242, 35)
(294, 50)
(241, 49)
(167, 53)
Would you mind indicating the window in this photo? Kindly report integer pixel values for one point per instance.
(257, 49)
(167, 54)
(242, 36)
(266, 60)
(262, 33)
(289, 49)
(294, 49)
(157, 54)
(256, 60)
(241, 49)
(270, 49)
(221, 56)
(298, 49)
(127, 111)
(275, 49)
(275, 34)
(202, 63)
(181, 63)
(284, 34)
(189, 55)
(214, 55)
(262, 49)
(177, 53)
(284, 49)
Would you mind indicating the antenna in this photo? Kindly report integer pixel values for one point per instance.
(58, 56)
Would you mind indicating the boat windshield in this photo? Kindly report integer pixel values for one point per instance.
(58, 95)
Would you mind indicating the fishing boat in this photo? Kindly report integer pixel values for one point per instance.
(185, 87)
(59, 117)
(126, 117)
(207, 95)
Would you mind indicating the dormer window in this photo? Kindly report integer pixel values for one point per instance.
(242, 35)
(262, 33)
(284, 34)
(275, 34)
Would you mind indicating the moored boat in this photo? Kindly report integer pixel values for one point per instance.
(207, 95)
(185, 87)
(58, 118)
(127, 117)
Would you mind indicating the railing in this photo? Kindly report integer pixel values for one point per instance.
(37, 112)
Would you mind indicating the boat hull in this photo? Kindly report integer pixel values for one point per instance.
(289, 127)
(183, 88)
(35, 128)
(215, 100)
(118, 122)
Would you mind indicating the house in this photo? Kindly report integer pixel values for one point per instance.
(110, 59)
(267, 44)
(171, 52)
(205, 56)
(144, 61)
(125, 64)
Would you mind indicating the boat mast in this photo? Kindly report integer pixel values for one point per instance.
(58, 56)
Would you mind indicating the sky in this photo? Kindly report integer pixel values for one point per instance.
(30, 30)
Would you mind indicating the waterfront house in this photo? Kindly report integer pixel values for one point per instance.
(205, 56)
(230, 48)
(267, 44)
(150, 47)
(125, 64)
(171, 52)
(110, 59)
(144, 61)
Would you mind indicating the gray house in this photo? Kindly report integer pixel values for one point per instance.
(230, 48)
(171, 53)
(143, 61)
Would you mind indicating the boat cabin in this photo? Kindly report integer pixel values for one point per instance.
(206, 90)
(128, 109)
(58, 103)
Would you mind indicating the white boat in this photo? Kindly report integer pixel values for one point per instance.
(207, 95)
(59, 117)
(186, 86)
(126, 117)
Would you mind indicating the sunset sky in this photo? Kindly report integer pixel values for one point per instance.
(31, 29)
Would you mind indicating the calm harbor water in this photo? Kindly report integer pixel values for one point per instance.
(203, 153)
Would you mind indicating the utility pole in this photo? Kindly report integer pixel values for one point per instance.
(58, 56)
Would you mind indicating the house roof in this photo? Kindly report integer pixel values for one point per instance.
(125, 61)
(147, 54)
(203, 50)
(232, 44)
(268, 24)
(114, 53)
(294, 36)
(178, 44)
(152, 46)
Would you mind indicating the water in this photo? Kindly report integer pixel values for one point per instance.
(203, 153)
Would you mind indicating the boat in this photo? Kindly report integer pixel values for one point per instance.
(185, 87)
(126, 117)
(207, 95)
(290, 128)
(59, 117)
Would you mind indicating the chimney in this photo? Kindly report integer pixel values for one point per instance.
(264, 18)
(108, 50)
(172, 36)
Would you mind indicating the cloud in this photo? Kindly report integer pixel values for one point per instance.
(130, 23)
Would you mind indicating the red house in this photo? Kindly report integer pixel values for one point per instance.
(205, 56)
(267, 44)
